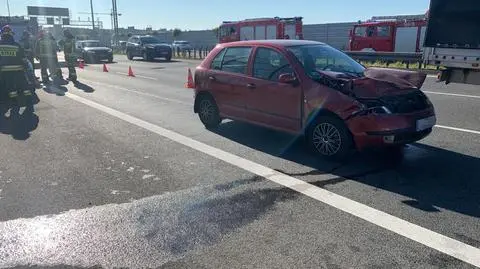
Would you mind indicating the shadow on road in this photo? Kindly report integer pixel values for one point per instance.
(58, 90)
(431, 177)
(19, 126)
(160, 60)
(84, 87)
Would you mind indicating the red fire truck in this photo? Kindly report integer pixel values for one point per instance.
(389, 33)
(261, 28)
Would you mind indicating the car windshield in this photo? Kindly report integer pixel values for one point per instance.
(149, 40)
(326, 58)
(91, 44)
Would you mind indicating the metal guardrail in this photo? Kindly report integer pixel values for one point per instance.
(364, 56)
(386, 56)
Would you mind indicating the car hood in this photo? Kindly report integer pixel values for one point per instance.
(96, 48)
(376, 82)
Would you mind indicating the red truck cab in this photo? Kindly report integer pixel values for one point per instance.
(389, 34)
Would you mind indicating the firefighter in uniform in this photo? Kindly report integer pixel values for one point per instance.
(55, 49)
(69, 52)
(28, 44)
(14, 84)
(44, 54)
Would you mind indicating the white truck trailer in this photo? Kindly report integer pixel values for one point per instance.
(452, 41)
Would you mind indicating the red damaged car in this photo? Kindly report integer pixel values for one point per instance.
(310, 88)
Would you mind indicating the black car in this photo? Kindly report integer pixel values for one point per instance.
(148, 47)
(92, 51)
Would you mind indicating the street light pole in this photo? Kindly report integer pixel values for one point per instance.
(93, 19)
(8, 8)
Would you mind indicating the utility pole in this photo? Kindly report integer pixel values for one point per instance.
(93, 19)
(115, 20)
(8, 8)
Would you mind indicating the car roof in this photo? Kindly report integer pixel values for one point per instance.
(272, 42)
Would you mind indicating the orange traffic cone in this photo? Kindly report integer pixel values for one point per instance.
(130, 72)
(189, 84)
(105, 68)
(81, 64)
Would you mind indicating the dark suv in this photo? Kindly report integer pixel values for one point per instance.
(148, 47)
(92, 51)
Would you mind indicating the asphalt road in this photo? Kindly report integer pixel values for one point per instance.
(119, 172)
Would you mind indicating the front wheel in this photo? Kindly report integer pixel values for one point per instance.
(147, 57)
(129, 55)
(329, 138)
(208, 112)
(168, 58)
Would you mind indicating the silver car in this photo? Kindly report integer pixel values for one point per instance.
(182, 45)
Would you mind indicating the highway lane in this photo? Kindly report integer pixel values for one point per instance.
(428, 168)
(435, 187)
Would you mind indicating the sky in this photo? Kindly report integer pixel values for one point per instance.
(201, 14)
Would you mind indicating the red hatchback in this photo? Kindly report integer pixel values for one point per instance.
(307, 87)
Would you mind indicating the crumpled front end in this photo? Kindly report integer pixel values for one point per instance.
(385, 107)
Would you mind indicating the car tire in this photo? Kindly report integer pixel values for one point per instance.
(110, 60)
(129, 55)
(329, 138)
(168, 58)
(147, 57)
(208, 112)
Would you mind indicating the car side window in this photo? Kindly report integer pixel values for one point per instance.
(269, 64)
(235, 60)
(217, 61)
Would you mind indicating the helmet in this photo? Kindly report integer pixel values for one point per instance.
(67, 33)
(6, 30)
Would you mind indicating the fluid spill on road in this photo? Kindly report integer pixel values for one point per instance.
(143, 233)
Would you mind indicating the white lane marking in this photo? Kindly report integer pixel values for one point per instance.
(145, 77)
(140, 76)
(139, 92)
(458, 129)
(449, 246)
(432, 76)
(453, 94)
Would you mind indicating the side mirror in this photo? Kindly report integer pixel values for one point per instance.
(287, 78)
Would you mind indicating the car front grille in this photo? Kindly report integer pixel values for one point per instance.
(406, 103)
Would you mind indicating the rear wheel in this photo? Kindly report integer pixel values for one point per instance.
(328, 137)
(208, 112)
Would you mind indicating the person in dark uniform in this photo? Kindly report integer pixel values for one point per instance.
(70, 55)
(28, 44)
(14, 84)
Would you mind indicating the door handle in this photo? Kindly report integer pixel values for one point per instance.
(251, 86)
(212, 78)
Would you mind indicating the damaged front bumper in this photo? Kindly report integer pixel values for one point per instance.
(377, 130)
